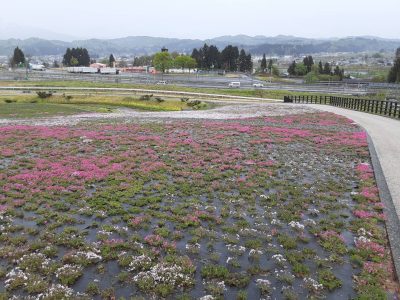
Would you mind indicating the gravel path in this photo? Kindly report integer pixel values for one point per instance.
(232, 111)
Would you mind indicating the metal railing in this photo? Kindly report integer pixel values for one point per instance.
(378, 107)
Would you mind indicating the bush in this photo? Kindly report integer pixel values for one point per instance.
(146, 97)
(10, 101)
(44, 95)
(184, 99)
(159, 100)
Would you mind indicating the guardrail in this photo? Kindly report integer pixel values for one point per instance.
(378, 107)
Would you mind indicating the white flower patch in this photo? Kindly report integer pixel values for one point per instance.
(280, 274)
(363, 232)
(15, 274)
(163, 273)
(193, 246)
(310, 222)
(86, 140)
(236, 249)
(361, 239)
(255, 253)
(276, 222)
(207, 297)
(139, 263)
(313, 285)
(68, 270)
(264, 285)
(313, 211)
(104, 232)
(27, 259)
(279, 258)
(296, 225)
(217, 285)
(59, 291)
(89, 256)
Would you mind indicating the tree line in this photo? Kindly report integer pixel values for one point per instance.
(229, 59)
(394, 73)
(308, 66)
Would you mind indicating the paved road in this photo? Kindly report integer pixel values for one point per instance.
(385, 134)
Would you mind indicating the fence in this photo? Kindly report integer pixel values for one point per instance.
(379, 107)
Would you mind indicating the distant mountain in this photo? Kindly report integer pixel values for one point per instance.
(139, 45)
(9, 30)
(351, 44)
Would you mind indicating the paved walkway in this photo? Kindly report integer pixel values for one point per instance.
(385, 134)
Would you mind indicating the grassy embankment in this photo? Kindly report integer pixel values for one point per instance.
(25, 106)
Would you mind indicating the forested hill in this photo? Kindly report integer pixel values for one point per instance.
(138, 45)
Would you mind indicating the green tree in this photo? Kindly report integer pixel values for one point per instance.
(263, 63)
(339, 73)
(292, 68)
(320, 68)
(301, 69)
(327, 69)
(111, 61)
(270, 64)
(394, 73)
(74, 62)
(185, 62)
(18, 57)
(242, 61)
(229, 58)
(275, 71)
(162, 61)
(81, 54)
(308, 61)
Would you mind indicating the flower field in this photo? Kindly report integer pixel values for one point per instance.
(279, 207)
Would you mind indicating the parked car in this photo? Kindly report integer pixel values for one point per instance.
(258, 85)
(234, 85)
(161, 83)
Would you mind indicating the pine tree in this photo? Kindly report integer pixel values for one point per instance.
(18, 57)
(242, 61)
(308, 62)
(111, 61)
(394, 73)
(229, 58)
(270, 63)
(292, 68)
(320, 68)
(263, 63)
(80, 54)
(249, 63)
(327, 69)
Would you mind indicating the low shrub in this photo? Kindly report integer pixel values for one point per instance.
(44, 95)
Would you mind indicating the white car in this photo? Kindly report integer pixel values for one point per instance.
(258, 85)
(161, 83)
(234, 85)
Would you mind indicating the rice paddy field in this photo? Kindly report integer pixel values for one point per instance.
(272, 207)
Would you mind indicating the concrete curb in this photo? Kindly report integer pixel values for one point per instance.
(392, 219)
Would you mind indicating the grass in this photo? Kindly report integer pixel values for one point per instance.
(34, 110)
(28, 106)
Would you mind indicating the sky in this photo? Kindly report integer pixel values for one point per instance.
(82, 19)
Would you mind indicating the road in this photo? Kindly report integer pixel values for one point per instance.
(195, 81)
(385, 133)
